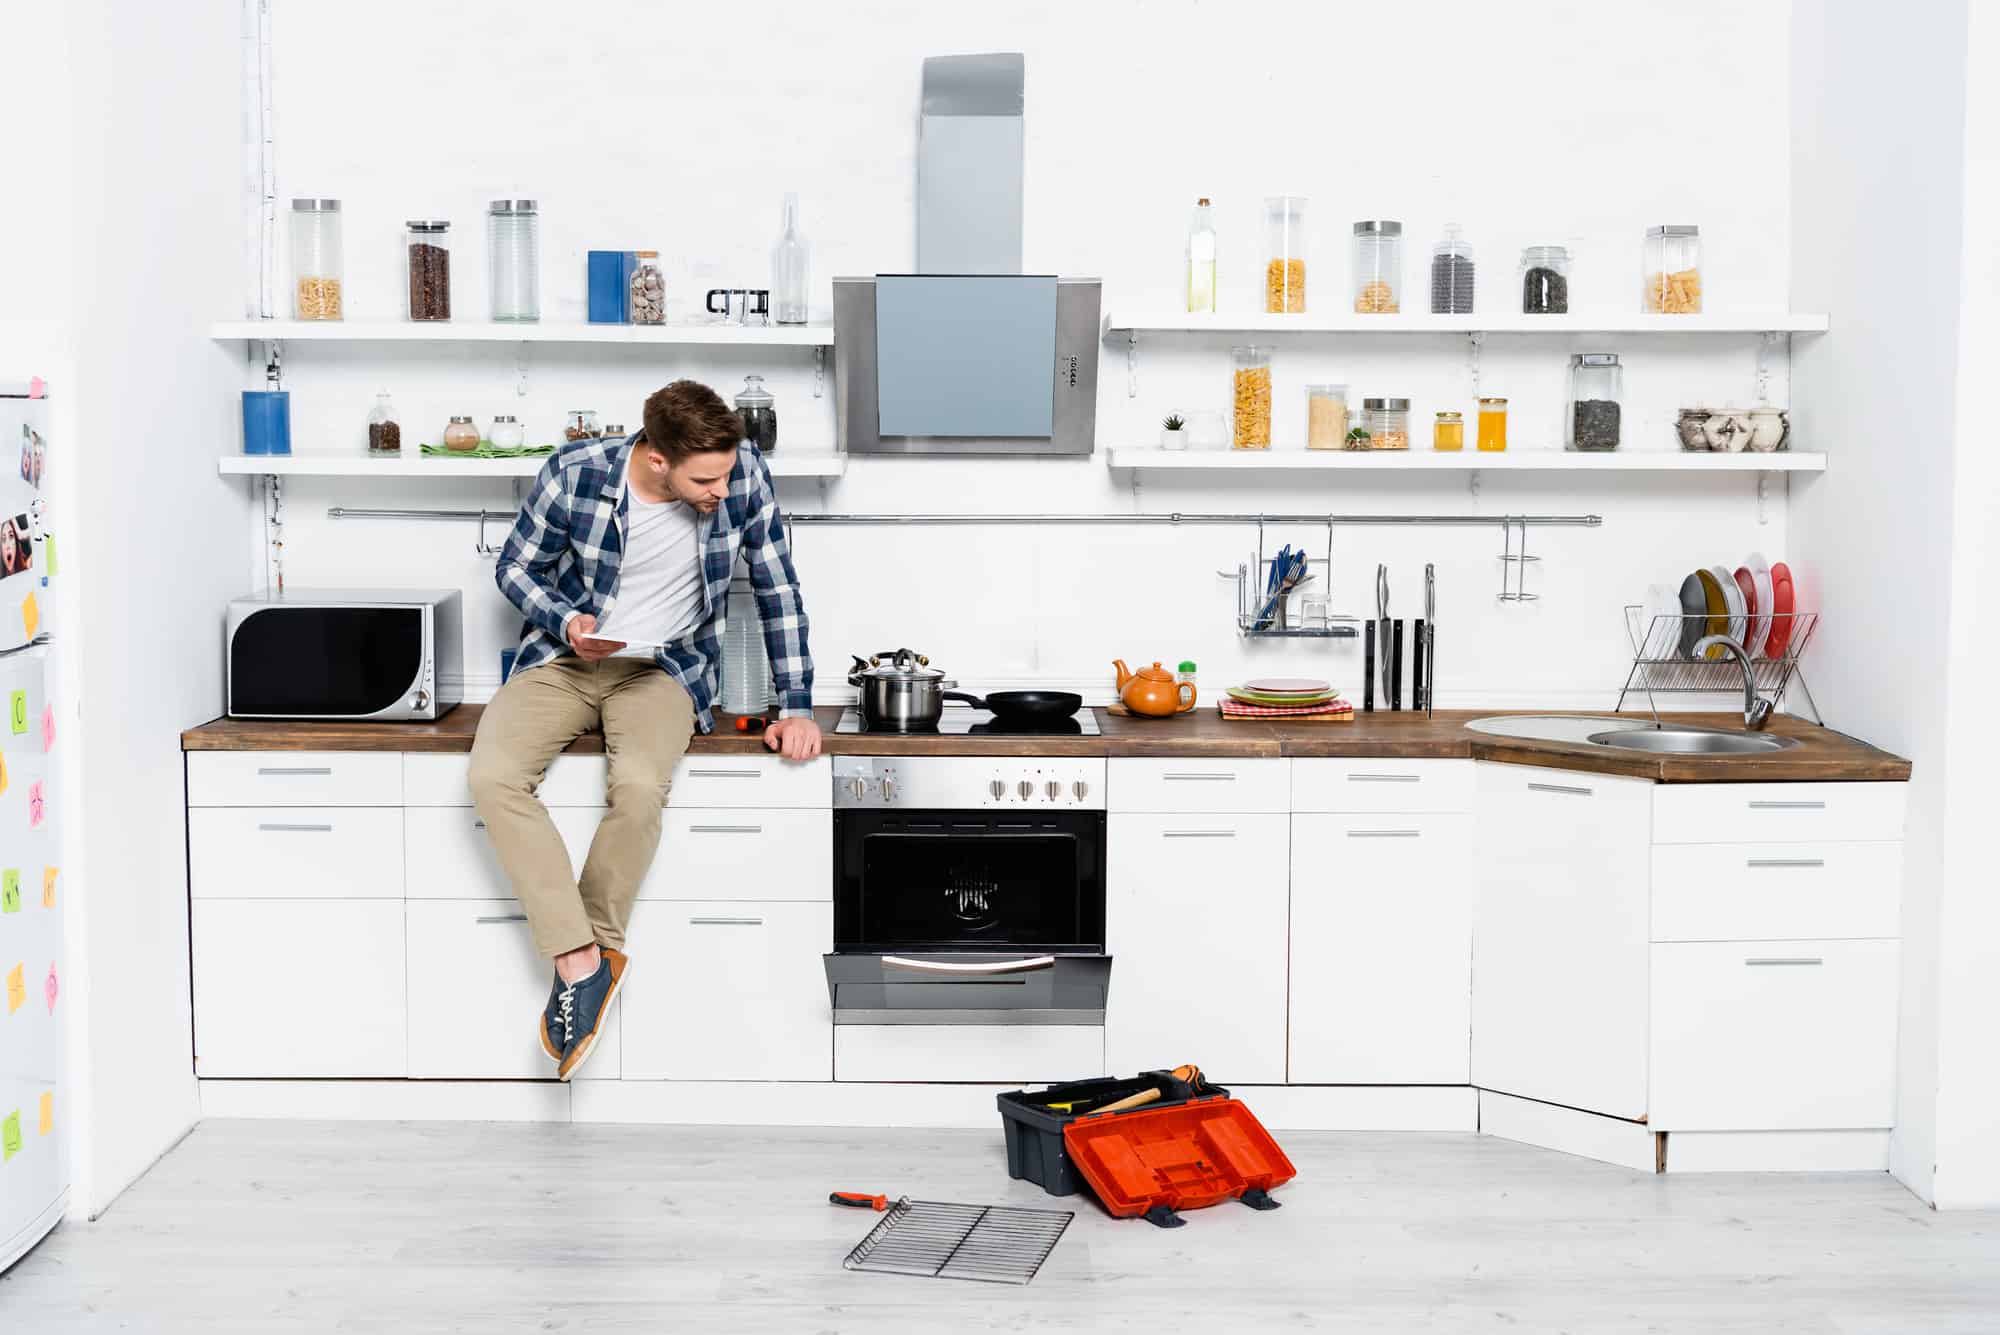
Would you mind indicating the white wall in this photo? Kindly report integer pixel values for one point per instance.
(1131, 113)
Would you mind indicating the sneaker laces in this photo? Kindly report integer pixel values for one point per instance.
(566, 1012)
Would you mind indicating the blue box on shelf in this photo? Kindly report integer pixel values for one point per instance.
(610, 282)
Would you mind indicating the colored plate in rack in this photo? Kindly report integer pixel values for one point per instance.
(1760, 629)
(1732, 598)
(1694, 610)
(1783, 600)
(1717, 608)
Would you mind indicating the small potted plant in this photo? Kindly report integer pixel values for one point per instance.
(1173, 432)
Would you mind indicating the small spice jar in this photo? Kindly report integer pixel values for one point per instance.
(1492, 425)
(1285, 271)
(1326, 417)
(1545, 280)
(581, 425)
(615, 431)
(428, 241)
(1250, 405)
(1449, 432)
(507, 433)
(759, 412)
(1378, 267)
(316, 259)
(647, 291)
(461, 435)
(1388, 423)
(385, 434)
(1672, 270)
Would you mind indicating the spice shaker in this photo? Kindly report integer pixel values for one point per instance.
(428, 241)
(385, 434)
(507, 433)
(461, 435)
(759, 412)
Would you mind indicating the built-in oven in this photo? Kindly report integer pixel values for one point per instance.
(968, 891)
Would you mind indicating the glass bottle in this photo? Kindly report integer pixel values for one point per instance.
(646, 297)
(759, 412)
(791, 261)
(1285, 271)
(1201, 260)
(1451, 274)
(1326, 417)
(1672, 270)
(1250, 408)
(513, 243)
(461, 435)
(385, 433)
(428, 241)
(1545, 280)
(316, 259)
(581, 424)
(1492, 425)
(507, 433)
(1596, 386)
(1449, 432)
(1378, 267)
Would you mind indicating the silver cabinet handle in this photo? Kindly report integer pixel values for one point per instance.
(1786, 862)
(1796, 959)
(725, 829)
(725, 774)
(1028, 965)
(1385, 778)
(1197, 834)
(479, 825)
(1385, 834)
(1194, 777)
(504, 917)
(1560, 788)
(276, 828)
(725, 922)
(321, 770)
(1764, 805)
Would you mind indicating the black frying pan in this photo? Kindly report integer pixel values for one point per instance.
(1023, 706)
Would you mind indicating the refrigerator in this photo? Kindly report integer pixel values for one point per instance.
(34, 1154)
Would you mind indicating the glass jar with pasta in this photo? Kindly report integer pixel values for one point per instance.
(1672, 270)
(1285, 271)
(1250, 406)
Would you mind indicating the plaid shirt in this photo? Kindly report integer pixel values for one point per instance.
(561, 560)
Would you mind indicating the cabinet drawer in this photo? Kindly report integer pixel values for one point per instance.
(476, 992)
(1198, 785)
(295, 852)
(736, 853)
(298, 988)
(1558, 790)
(751, 781)
(440, 781)
(1010, 1054)
(295, 779)
(448, 854)
(1381, 785)
(1774, 1036)
(729, 990)
(1752, 813)
(1765, 892)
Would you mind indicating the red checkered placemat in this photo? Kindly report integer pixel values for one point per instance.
(1232, 708)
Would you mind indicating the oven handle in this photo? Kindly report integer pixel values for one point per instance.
(1028, 965)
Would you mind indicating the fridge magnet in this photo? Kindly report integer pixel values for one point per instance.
(48, 1120)
(48, 727)
(10, 890)
(17, 550)
(17, 990)
(37, 809)
(50, 987)
(49, 887)
(17, 712)
(10, 1136)
(31, 616)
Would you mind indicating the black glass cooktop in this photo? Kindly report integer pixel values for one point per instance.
(964, 721)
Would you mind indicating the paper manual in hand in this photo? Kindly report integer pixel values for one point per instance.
(629, 644)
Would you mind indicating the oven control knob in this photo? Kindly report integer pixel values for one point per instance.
(421, 700)
(998, 789)
(1053, 789)
(857, 788)
(888, 789)
(1080, 788)
(1027, 789)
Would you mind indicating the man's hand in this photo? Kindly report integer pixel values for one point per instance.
(590, 651)
(793, 738)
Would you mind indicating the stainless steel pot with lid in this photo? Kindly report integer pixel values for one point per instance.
(900, 690)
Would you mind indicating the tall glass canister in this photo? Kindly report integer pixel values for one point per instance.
(428, 241)
(1378, 267)
(1672, 270)
(1250, 407)
(316, 259)
(513, 243)
(1596, 389)
(1285, 271)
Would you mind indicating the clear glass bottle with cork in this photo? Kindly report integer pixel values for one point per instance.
(1201, 260)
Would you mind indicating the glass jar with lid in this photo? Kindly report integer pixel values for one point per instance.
(1596, 389)
(1285, 271)
(1451, 274)
(1492, 437)
(581, 424)
(1672, 270)
(1545, 280)
(428, 241)
(461, 435)
(1388, 423)
(1326, 417)
(647, 293)
(1448, 434)
(316, 259)
(759, 412)
(514, 259)
(1378, 267)
(506, 433)
(615, 431)
(1250, 404)
(385, 433)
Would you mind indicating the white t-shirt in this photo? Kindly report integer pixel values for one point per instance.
(659, 577)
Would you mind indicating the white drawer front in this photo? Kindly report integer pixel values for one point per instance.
(294, 779)
(737, 853)
(295, 852)
(476, 993)
(1010, 1054)
(448, 854)
(1198, 785)
(1375, 786)
(751, 781)
(1767, 892)
(298, 988)
(440, 781)
(1774, 1035)
(729, 990)
(1758, 813)
(1541, 789)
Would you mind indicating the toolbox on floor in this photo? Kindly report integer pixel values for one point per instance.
(1035, 1120)
(1156, 1160)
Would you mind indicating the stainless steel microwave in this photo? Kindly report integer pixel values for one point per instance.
(344, 654)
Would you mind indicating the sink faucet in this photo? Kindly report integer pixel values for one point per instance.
(1756, 709)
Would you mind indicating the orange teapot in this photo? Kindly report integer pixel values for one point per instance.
(1153, 691)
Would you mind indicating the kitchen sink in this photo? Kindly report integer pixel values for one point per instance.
(1693, 741)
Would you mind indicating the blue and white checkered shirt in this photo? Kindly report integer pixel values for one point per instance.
(562, 558)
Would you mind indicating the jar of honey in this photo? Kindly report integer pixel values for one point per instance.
(1492, 425)
(1449, 433)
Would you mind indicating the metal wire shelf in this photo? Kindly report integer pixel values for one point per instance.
(998, 1244)
(1661, 667)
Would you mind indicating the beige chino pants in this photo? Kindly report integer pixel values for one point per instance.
(647, 719)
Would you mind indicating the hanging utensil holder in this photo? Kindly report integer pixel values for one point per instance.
(1261, 613)
(1514, 565)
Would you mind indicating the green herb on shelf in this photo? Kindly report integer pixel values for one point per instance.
(1173, 422)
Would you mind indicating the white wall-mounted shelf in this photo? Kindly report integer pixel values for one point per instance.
(485, 331)
(1344, 322)
(821, 464)
(1296, 459)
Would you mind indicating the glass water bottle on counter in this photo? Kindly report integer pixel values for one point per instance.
(1596, 389)
(759, 412)
(791, 263)
(385, 433)
(316, 259)
(1201, 260)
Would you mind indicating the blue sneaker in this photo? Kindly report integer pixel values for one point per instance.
(550, 1029)
(581, 1009)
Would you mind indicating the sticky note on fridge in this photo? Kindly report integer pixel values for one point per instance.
(17, 712)
(31, 615)
(48, 727)
(10, 890)
(49, 875)
(10, 1135)
(48, 1119)
(3, 773)
(37, 808)
(17, 990)
(48, 559)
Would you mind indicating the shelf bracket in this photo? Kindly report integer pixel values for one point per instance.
(1764, 497)
(819, 372)
(521, 370)
(274, 532)
(1474, 343)
(1472, 483)
(1131, 364)
(1765, 345)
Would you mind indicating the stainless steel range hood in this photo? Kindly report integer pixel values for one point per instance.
(969, 164)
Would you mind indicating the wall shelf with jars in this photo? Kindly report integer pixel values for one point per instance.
(1119, 323)
(819, 464)
(1298, 459)
(468, 331)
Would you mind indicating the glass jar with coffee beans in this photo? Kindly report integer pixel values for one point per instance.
(759, 411)
(428, 241)
(385, 433)
(581, 424)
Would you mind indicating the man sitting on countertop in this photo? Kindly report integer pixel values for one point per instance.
(620, 561)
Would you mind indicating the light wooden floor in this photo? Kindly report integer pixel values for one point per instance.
(405, 1228)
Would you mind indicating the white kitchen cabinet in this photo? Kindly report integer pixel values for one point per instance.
(998, 1054)
(1774, 1035)
(1748, 813)
(728, 990)
(1759, 892)
(1381, 949)
(699, 781)
(1197, 785)
(448, 854)
(742, 853)
(294, 779)
(295, 852)
(1560, 938)
(1195, 922)
(1380, 786)
(291, 987)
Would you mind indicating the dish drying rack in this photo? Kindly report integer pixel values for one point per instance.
(1658, 667)
(1263, 611)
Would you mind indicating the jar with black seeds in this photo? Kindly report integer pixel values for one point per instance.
(1451, 274)
(1596, 386)
(1545, 280)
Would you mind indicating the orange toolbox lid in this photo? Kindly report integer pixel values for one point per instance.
(1157, 1160)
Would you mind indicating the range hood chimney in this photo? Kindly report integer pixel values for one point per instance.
(969, 164)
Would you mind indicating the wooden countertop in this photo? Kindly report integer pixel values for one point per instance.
(1823, 755)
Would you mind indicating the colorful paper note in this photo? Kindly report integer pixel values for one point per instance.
(10, 890)
(17, 990)
(10, 1136)
(48, 1112)
(37, 808)
(17, 712)
(49, 875)
(48, 556)
(31, 615)
(3, 773)
(48, 727)
(50, 987)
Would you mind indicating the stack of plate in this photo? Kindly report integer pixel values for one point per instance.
(1284, 697)
(1753, 604)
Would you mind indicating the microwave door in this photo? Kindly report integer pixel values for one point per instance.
(325, 662)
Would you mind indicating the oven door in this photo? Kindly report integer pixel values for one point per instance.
(968, 917)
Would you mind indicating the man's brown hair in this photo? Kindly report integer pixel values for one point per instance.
(687, 417)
